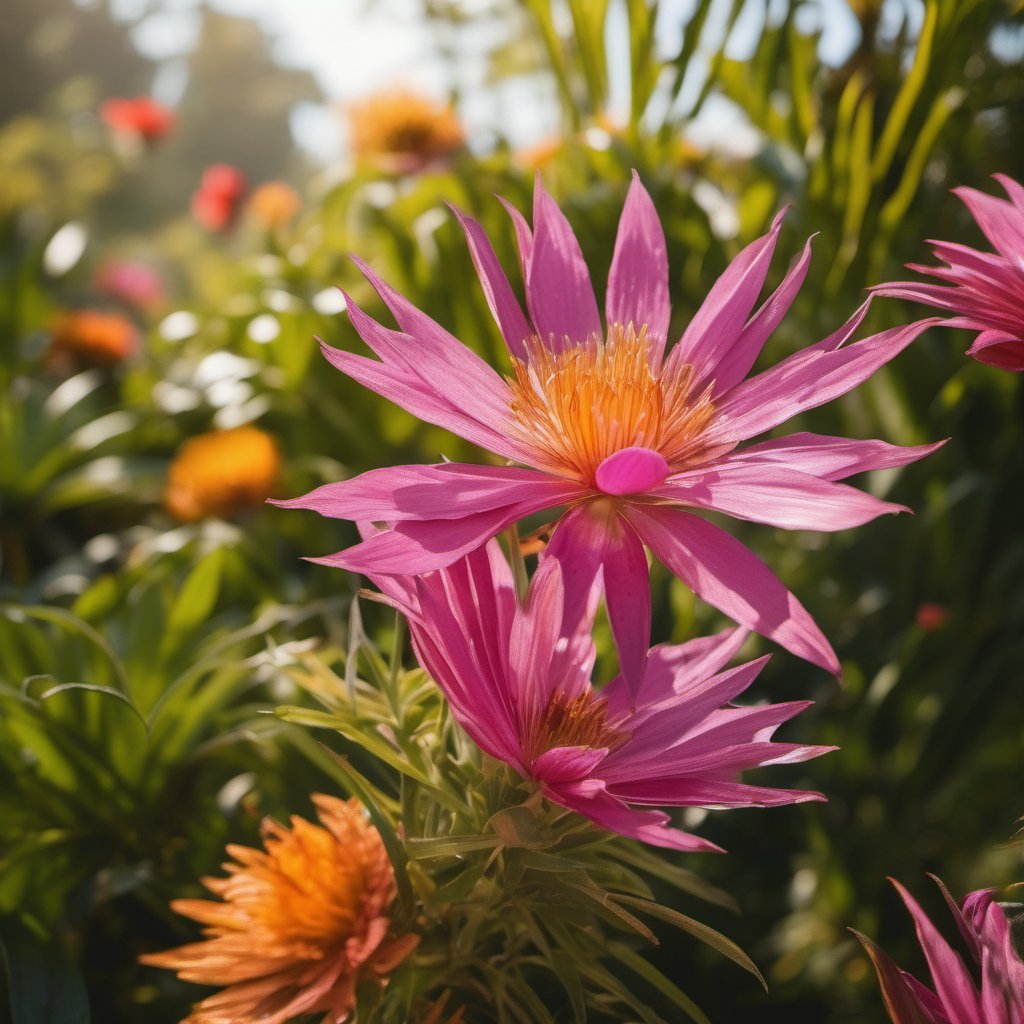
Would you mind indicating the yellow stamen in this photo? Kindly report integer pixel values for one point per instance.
(577, 407)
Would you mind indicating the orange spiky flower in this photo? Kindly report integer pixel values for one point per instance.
(400, 130)
(298, 927)
(222, 473)
(90, 337)
(273, 204)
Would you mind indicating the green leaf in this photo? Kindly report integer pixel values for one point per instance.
(651, 974)
(43, 982)
(194, 602)
(706, 934)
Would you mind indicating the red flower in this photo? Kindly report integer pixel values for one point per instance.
(216, 202)
(142, 116)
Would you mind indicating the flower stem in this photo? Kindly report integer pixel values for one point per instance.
(518, 562)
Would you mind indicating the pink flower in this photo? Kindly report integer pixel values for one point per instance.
(134, 284)
(985, 290)
(631, 441)
(989, 991)
(519, 684)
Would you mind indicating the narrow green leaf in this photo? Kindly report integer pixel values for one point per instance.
(651, 974)
(706, 934)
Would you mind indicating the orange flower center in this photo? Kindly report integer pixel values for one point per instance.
(314, 881)
(577, 407)
(575, 722)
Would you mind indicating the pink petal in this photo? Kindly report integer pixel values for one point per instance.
(450, 490)
(1001, 222)
(697, 792)
(558, 289)
(592, 801)
(720, 320)
(1013, 189)
(953, 984)
(409, 392)
(901, 1002)
(524, 237)
(737, 362)
(806, 380)
(477, 695)
(535, 632)
(830, 458)
(638, 279)
(500, 298)
(776, 496)
(591, 538)
(566, 764)
(721, 571)
(443, 362)
(671, 669)
(631, 471)
(657, 727)
(996, 348)
(417, 547)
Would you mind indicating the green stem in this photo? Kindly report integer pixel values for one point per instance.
(515, 554)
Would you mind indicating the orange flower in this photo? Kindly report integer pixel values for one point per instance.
(220, 473)
(90, 337)
(141, 116)
(402, 131)
(540, 154)
(300, 926)
(274, 203)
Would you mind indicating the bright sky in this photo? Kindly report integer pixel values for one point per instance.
(359, 46)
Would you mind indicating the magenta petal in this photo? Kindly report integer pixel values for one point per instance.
(901, 1000)
(631, 471)
(830, 458)
(672, 669)
(953, 984)
(407, 390)
(999, 220)
(737, 362)
(566, 764)
(721, 571)
(524, 237)
(593, 538)
(805, 380)
(776, 496)
(536, 630)
(447, 491)
(443, 362)
(595, 803)
(997, 348)
(558, 290)
(721, 318)
(504, 306)
(638, 279)
(417, 547)
(698, 792)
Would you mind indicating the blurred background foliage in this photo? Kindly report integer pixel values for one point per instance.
(140, 644)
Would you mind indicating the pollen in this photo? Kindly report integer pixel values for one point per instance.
(580, 721)
(575, 408)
